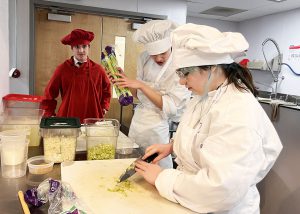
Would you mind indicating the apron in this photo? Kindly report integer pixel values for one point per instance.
(149, 124)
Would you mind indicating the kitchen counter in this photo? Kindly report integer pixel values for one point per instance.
(9, 202)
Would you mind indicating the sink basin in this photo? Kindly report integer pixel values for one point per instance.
(280, 102)
(283, 99)
(264, 99)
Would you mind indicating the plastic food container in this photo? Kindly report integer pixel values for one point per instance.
(101, 138)
(22, 101)
(38, 165)
(14, 149)
(23, 119)
(59, 138)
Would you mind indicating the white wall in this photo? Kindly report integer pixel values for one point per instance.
(219, 24)
(284, 29)
(21, 20)
(174, 9)
(4, 53)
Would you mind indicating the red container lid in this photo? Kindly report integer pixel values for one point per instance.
(23, 98)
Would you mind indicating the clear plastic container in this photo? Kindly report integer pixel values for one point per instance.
(23, 119)
(59, 138)
(21, 101)
(38, 165)
(14, 149)
(101, 138)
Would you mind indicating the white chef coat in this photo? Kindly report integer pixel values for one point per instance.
(225, 145)
(149, 124)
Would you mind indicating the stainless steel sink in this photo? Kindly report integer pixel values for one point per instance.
(283, 99)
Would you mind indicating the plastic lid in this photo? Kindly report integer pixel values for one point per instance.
(23, 98)
(60, 122)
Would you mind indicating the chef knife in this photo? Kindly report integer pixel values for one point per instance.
(130, 170)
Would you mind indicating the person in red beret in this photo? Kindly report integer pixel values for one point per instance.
(82, 84)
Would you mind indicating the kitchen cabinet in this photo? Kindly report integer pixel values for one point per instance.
(280, 190)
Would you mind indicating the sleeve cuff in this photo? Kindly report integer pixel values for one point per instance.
(165, 183)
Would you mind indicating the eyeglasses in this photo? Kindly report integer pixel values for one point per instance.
(184, 72)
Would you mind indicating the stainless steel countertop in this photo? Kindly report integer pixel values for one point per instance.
(9, 202)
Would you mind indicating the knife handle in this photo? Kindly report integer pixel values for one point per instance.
(151, 158)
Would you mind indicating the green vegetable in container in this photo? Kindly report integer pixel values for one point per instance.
(101, 152)
(109, 61)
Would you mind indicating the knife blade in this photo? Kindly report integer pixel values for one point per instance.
(131, 169)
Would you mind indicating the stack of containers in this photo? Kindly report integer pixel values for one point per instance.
(22, 101)
(101, 138)
(14, 148)
(59, 137)
(22, 112)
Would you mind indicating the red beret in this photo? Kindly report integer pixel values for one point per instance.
(78, 37)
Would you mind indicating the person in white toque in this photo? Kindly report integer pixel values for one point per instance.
(161, 98)
(225, 143)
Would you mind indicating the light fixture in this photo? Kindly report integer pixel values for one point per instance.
(277, 1)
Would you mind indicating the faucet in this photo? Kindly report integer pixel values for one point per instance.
(275, 76)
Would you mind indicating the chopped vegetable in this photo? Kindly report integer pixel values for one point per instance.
(101, 152)
(59, 149)
(109, 61)
(122, 187)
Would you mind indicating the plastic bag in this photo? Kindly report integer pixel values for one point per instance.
(61, 197)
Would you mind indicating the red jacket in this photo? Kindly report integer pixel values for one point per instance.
(85, 91)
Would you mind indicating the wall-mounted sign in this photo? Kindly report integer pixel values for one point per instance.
(294, 53)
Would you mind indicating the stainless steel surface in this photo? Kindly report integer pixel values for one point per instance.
(280, 190)
(9, 202)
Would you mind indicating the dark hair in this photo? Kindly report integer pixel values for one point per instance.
(238, 75)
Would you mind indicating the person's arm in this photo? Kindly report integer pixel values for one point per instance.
(175, 97)
(51, 93)
(153, 95)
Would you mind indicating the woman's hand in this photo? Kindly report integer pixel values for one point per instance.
(163, 150)
(148, 170)
(111, 75)
(123, 81)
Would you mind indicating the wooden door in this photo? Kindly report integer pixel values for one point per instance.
(50, 52)
(113, 27)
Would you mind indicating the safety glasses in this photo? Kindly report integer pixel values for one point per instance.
(184, 72)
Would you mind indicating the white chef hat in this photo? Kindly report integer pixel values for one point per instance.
(155, 35)
(197, 45)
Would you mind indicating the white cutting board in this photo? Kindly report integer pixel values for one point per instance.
(91, 179)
